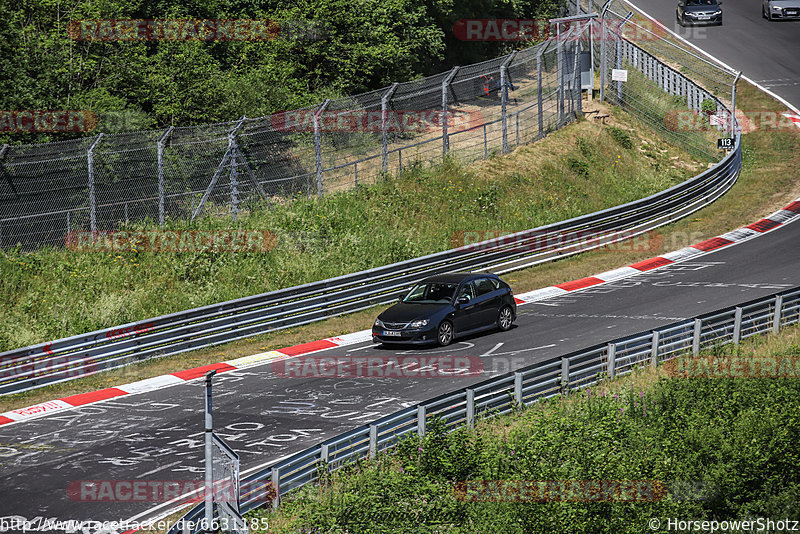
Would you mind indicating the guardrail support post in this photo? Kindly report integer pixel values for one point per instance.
(698, 328)
(445, 118)
(387, 96)
(318, 145)
(373, 441)
(160, 148)
(92, 202)
(421, 420)
(276, 485)
(612, 360)
(471, 408)
(654, 348)
(776, 320)
(564, 376)
(325, 453)
(518, 390)
(737, 326)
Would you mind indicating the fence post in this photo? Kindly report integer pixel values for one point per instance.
(564, 375)
(578, 91)
(737, 325)
(276, 484)
(518, 389)
(560, 75)
(471, 408)
(733, 104)
(228, 158)
(421, 420)
(654, 348)
(384, 125)
(92, 202)
(619, 53)
(160, 147)
(612, 360)
(539, 103)
(698, 328)
(373, 441)
(504, 99)
(776, 321)
(318, 144)
(603, 38)
(445, 120)
(576, 71)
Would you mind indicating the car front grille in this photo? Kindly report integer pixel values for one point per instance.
(395, 326)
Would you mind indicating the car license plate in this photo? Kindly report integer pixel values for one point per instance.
(704, 18)
(391, 333)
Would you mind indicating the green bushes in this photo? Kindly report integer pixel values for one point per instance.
(622, 137)
(721, 449)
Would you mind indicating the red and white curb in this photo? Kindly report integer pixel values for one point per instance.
(777, 219)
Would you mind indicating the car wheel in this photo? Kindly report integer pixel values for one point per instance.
(505, 318)
(763, 12)
(444, 335)
(679, 18)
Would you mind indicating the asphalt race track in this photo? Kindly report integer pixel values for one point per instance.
(157, 436)
(766, 52)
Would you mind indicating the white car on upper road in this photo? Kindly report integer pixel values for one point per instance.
(781, 9)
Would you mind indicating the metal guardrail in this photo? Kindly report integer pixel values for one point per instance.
(523, 387)
(84, 354)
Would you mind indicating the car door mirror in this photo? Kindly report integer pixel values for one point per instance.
(463, 299)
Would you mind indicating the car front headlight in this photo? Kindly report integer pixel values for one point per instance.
(776, 8)
(378, 323)
(418, 324)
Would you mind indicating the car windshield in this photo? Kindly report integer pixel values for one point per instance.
(701, 2)
(433, 293)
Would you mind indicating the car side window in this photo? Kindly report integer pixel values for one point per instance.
(483, 286)
(468, 291)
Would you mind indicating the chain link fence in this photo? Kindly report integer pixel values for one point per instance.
(103, 182)
(670, 88)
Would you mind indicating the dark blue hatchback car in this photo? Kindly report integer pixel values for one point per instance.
(447, 306)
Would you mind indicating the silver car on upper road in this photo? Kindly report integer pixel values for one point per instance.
(781, 9)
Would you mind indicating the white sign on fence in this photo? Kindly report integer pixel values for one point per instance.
(619, 75)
